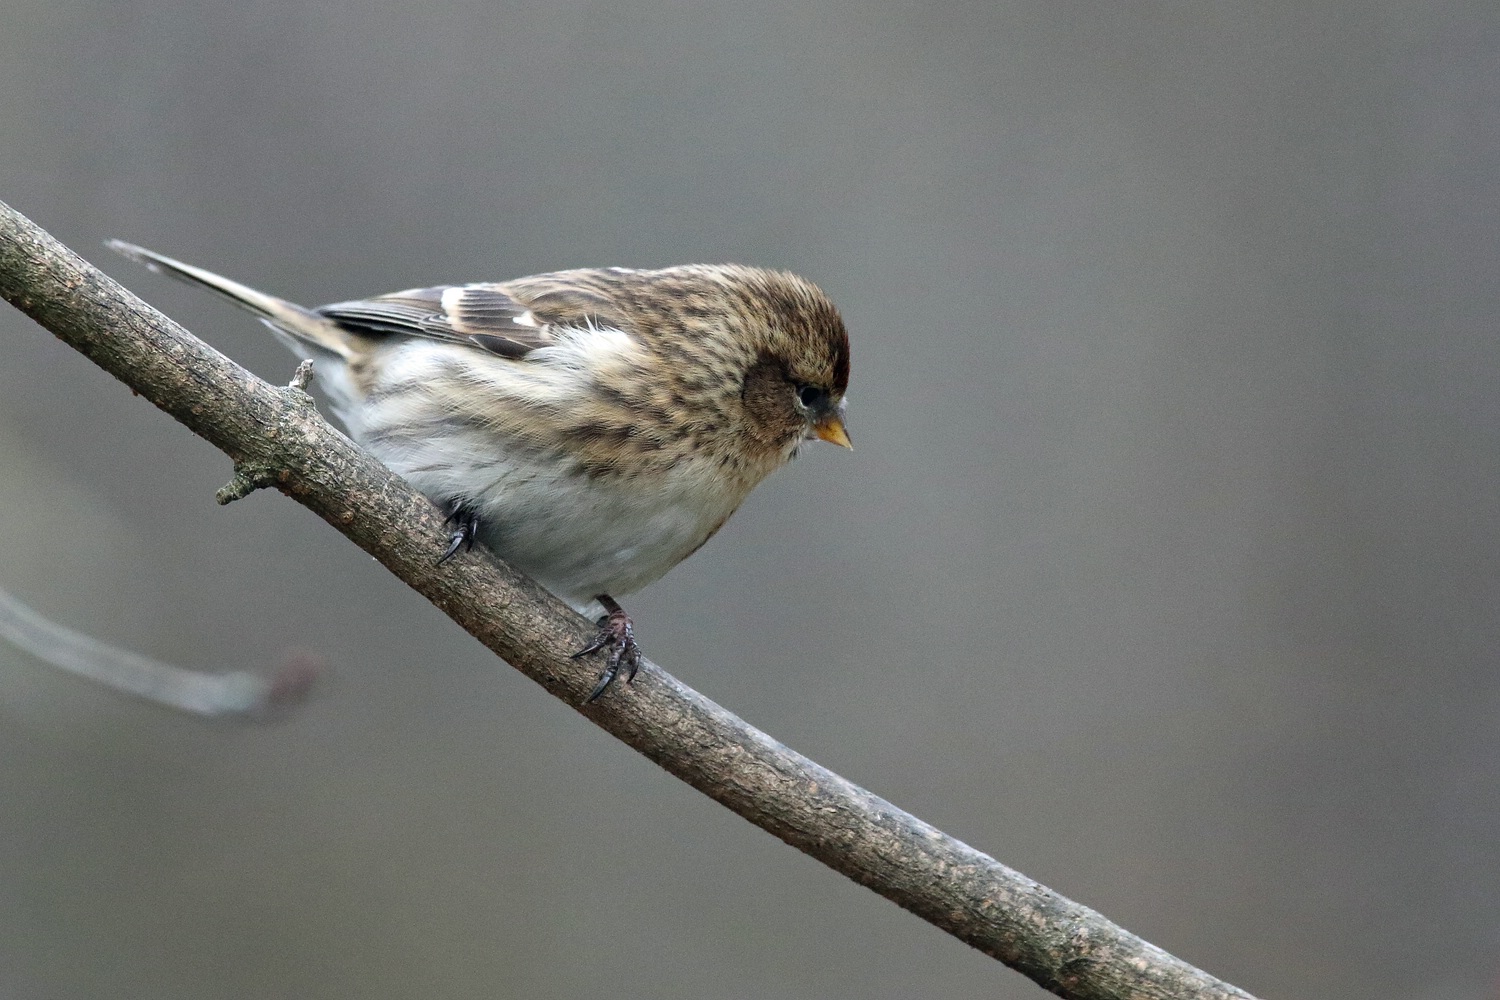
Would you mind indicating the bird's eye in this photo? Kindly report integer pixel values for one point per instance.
(811, 396)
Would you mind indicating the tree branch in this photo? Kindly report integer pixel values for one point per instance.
(275, 437)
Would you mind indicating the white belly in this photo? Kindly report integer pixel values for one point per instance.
(577, 536)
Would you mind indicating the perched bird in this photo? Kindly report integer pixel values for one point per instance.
(592, 427)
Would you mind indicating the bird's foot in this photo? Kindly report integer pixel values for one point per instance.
(616, 634)
(465, 522)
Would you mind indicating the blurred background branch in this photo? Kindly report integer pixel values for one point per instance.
(275, 437)
(197, 692)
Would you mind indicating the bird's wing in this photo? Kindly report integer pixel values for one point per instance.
(511, 319)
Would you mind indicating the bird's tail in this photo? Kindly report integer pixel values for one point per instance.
(283, 317)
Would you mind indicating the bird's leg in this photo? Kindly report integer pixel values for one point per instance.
(616, 634)
(465, 522)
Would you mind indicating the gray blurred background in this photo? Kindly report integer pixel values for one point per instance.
(1165, 567)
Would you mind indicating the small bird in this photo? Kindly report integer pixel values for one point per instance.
(593, 427)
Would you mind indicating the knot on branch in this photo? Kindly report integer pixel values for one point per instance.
(248, 477)
(251, 474)
(301, 378)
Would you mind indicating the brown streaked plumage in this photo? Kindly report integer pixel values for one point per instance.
(594, 427)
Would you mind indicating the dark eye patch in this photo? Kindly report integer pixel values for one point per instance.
(811, 396)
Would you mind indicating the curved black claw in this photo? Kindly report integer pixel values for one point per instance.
(465, 523)
(616, 634)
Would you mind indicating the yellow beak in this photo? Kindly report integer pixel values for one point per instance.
(831, 428)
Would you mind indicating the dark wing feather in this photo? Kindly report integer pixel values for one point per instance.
(510, 319)
(483, 316)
